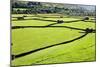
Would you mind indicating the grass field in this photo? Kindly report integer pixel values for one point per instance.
(56, 43)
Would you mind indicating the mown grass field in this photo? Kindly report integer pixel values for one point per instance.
(71, 45)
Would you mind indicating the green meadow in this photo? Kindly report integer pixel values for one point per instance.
(72, 44)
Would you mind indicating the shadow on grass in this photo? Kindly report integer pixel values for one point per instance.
(54, 20)
(44, 16)
(92, 21)
(50, 26)
(62, 55)
(39, 49)
(19, 27)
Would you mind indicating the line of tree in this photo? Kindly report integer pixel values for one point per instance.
(19, 7)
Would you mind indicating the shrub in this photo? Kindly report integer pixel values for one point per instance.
(88, 30)
(61, 16)
(60, 21)
(85, 18)
(24, 16)
(20, 18)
